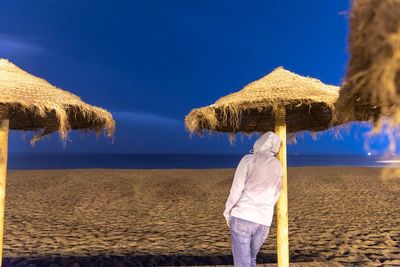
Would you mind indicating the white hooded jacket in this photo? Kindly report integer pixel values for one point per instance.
(257, 183)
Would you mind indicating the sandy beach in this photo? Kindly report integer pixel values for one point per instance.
(165, 217)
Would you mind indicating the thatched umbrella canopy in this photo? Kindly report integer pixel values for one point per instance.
(308, 104)
(282, 102)
(30, 103)
(371, 89)
(34, 104)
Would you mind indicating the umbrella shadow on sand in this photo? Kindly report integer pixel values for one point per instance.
(129, 260)
(143, 260)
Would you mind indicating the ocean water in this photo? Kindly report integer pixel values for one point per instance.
(178, 161)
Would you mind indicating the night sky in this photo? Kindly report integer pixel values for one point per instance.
(151, 62)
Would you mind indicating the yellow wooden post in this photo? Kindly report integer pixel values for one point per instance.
(4, 125)
(282, 204)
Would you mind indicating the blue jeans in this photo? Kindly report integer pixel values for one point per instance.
(247, 238)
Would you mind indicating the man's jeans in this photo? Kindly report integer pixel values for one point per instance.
(247, 239)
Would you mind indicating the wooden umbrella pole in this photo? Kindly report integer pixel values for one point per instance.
(282, 204)
(4, 125)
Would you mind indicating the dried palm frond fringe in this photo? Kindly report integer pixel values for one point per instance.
(309, 104)
(34, 104)
(371, 90)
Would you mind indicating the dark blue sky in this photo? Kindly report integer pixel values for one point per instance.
(151, 62)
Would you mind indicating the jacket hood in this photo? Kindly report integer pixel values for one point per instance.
(268, 142)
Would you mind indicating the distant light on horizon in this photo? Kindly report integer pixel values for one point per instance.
(369, 153)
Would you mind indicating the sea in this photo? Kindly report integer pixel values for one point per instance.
(32, 161)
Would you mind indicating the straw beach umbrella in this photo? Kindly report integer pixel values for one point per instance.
(29, 103)
(282, 102)
(371, 89)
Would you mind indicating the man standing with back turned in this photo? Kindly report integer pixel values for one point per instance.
(253, 195)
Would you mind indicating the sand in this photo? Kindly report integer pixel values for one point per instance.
(165, 217)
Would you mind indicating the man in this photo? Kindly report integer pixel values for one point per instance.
(250, 206)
